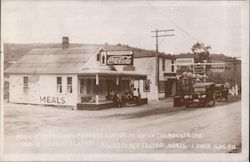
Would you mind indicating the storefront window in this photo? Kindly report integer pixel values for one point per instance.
(88, 85)
(69, 84)
(163, 64)
(25, 84)
(59, 84)
(82, 86)
(172, 67)
(162, 86)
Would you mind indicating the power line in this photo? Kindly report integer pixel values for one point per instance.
(162, 41)
(177, 26)
(162, 35)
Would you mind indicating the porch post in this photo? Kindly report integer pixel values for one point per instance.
(97, 88)
(117, 82)
(133, 82)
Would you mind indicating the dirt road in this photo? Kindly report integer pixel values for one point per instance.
(156, 127)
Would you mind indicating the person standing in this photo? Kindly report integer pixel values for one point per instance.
(115, 99)
(119, 100)
(135, 94)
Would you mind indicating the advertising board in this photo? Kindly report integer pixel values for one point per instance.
(117, 58)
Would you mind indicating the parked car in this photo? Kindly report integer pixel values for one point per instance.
(203, 94)
(221, 92)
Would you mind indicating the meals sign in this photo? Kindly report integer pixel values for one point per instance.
(117, 58)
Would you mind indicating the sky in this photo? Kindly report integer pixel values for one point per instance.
(218, 24)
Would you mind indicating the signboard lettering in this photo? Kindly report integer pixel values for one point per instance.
(185, 61)
(218, 67)
(52, 100)
(117, 58)
(199, 69)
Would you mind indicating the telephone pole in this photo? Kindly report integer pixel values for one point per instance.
(157, 35)
(234, 69)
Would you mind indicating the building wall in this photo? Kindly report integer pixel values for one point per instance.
(42, 90)
(146, 65)
(168, 68)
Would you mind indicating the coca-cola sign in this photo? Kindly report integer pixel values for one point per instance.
(118, 58)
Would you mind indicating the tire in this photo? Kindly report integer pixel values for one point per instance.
(187, 105)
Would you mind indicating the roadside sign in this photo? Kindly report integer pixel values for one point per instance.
(218, 67)
(199, 69)
(183, 61)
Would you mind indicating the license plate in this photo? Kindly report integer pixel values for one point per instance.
(196, 100)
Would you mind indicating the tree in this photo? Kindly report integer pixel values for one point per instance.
(201, 50)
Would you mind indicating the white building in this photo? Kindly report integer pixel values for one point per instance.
(75, 76)
(167, 75)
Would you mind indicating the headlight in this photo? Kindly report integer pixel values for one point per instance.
(186, 96)
(203, 96)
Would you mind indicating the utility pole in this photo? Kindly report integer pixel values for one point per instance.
(157, 51)
(234, 69)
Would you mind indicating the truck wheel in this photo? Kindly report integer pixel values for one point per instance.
(187, 105)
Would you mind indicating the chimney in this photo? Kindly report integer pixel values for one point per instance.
(65, 42)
